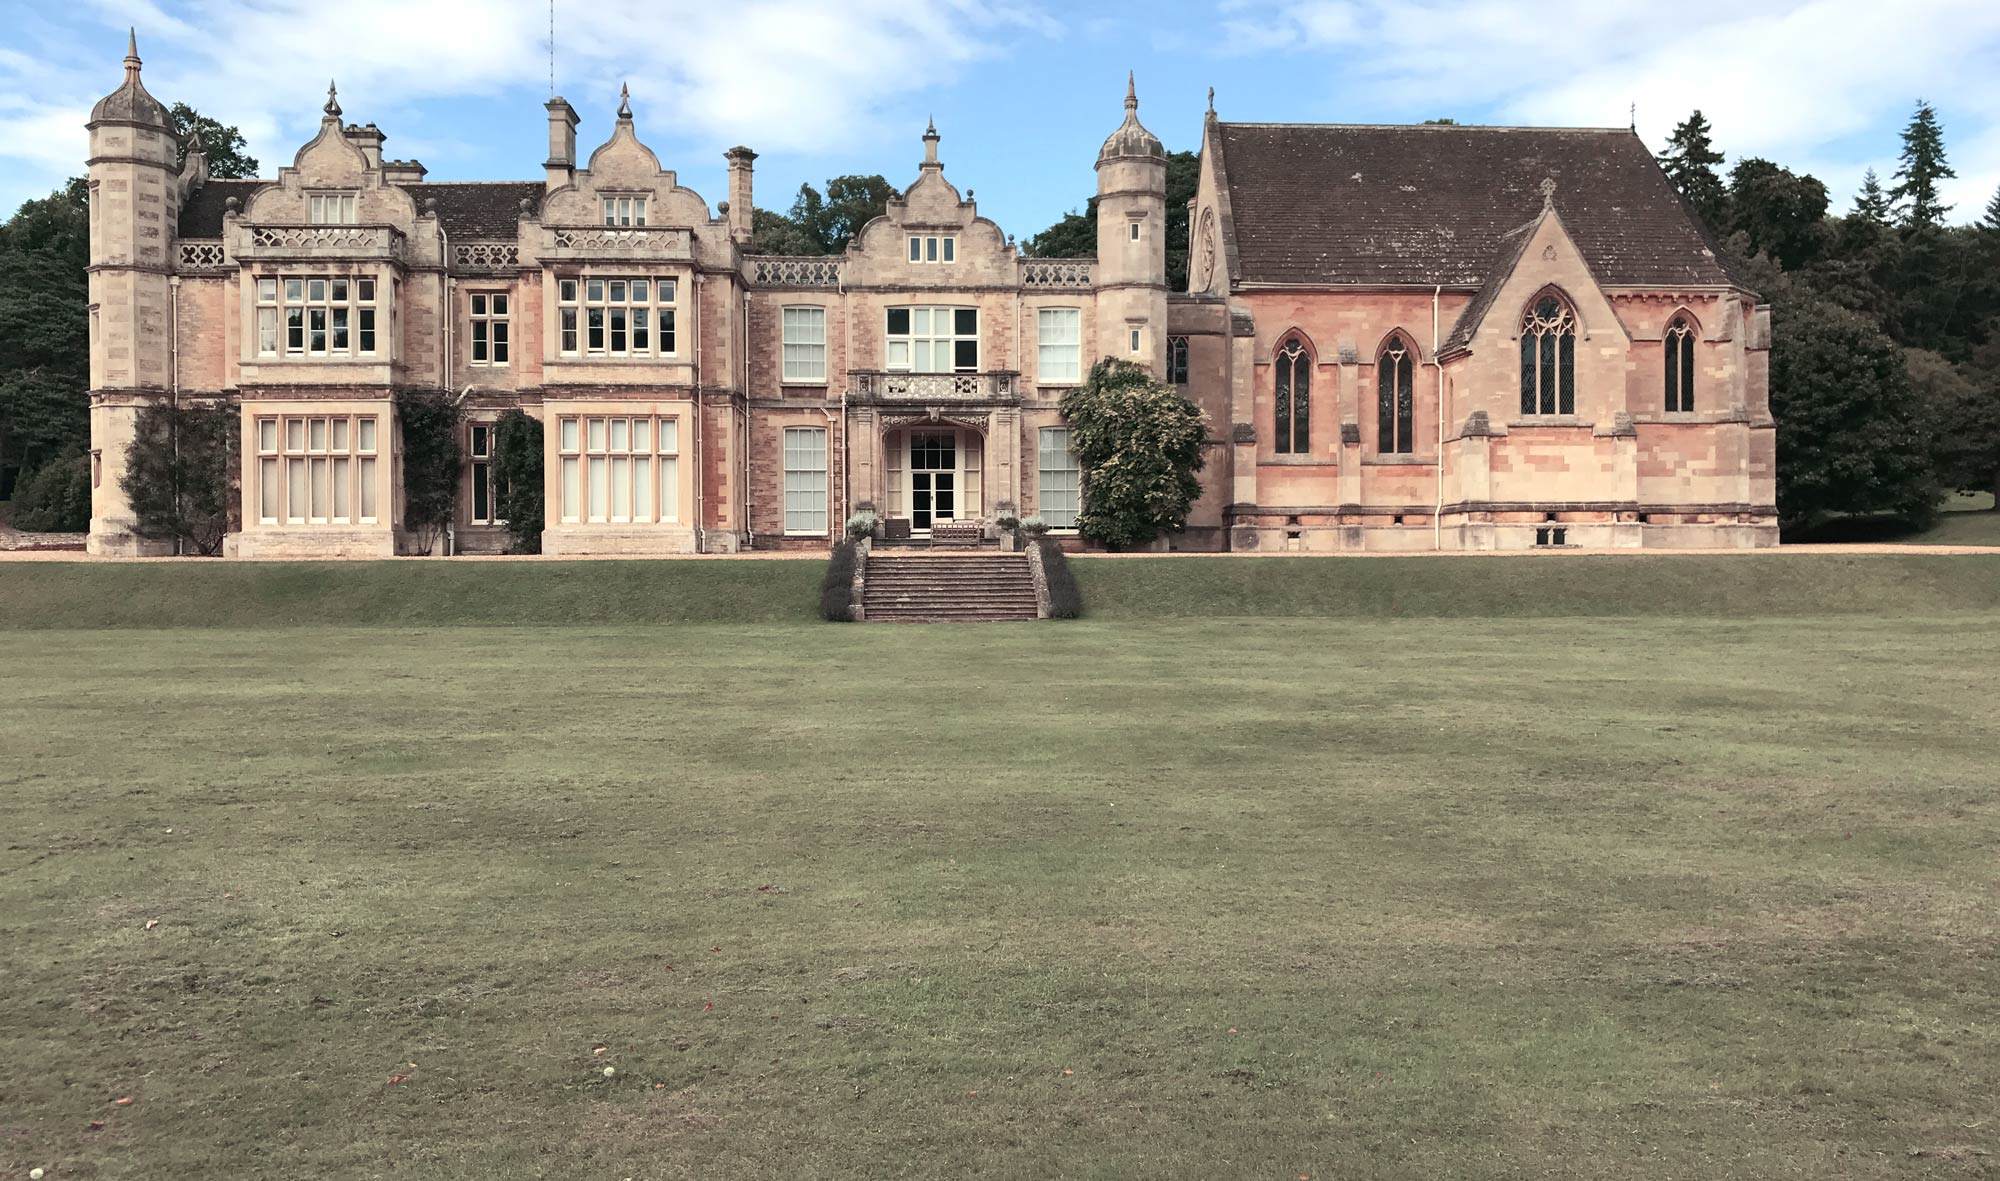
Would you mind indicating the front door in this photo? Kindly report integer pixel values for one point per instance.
(933, 478)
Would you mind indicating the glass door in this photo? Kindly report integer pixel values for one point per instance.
(933, 478)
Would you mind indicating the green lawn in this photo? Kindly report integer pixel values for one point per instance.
(1236, 898)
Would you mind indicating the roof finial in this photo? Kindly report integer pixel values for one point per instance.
(1548, 193)
(1211, 100)
(930, 129)
(332, 107)
(131, 52)
(624, 101)
(1634, 110)
(1131, 90)
(931, 144)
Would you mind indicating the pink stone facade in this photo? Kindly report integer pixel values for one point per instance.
(698, 397)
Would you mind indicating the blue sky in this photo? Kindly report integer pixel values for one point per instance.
(1023, 91)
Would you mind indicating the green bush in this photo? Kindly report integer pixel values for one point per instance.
(861, 524)
(1138, 442)
(178, 472)
(1065, 599)
(55, 498)
(836, 592)
(517, 475)
(432, 460)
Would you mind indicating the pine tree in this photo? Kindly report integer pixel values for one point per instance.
(1991, 221)
(1690, 161)
(1871, 204)
(1923, 167)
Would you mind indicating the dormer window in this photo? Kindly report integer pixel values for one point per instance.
(330, 209)
(624, 211)
(933, 248)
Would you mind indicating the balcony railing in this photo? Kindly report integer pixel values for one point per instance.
(786, 270)
(1055, 274)
(203, 254)
(617, 242)
(323, 242)
(924, 388)
(485, 257)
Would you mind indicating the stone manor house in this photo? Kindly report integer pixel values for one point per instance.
(1403, 338)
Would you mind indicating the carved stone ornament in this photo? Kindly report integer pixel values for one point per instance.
(1204, 277)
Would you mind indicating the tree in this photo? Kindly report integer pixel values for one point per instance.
(1852, 437)
(1923, 166)
(44, 330)
(851, 202)
(517, 476)
(1967, 418)
(1871, 204)
(178, 473)
(56, 497)
(432, 461)
(1690, 162)
(1138, 443)
(1782, 213)
(775, 233)
(220, 142)
(1074, 236)
(1991, 222)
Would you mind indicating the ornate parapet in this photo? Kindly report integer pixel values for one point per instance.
(1056, 274)
(202, 254)
(924, 389)
(788, 270)
(330, 242)
(485, 257)
(617, 244)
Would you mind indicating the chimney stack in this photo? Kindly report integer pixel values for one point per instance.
(741, 210)
(561, 164)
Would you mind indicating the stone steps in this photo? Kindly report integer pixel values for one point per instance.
(948, 588)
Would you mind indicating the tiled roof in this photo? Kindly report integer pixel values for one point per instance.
(480, 211)
(1316, 203)
(470, 211)
(201, 217)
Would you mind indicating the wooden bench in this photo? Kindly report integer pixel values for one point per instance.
(896, 529)
(957, 533)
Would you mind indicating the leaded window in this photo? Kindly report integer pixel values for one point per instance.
(1548, 358)
(1177, 360)
(1395, 412)
(1680, 365)
(1293, 417)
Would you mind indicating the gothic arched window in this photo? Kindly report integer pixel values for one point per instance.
(1395, 410)
(1548, 358)
(1680, 364)
(1293, 417)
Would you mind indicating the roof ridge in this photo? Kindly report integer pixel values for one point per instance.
(1437, 127)
(474, 182)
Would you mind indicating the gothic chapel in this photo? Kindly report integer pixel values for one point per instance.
(1403, 338)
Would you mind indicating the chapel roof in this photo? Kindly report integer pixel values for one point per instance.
(1433, 204)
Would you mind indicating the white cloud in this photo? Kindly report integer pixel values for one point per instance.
(779, 74)
(1791, 80)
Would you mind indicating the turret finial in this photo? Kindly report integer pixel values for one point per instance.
(332, 107)
(1211, 100)
(930, 129)
(1131, 90)
(931, 143)
(624, 101)
(131, 52)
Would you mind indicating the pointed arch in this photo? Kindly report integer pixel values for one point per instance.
(1548, 353)
(1678, 339)
(1291, 367)
(1396, 363)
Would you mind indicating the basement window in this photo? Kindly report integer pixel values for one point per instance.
(1551, 537)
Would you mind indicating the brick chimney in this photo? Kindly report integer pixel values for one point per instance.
(741, 211)
(561, 164)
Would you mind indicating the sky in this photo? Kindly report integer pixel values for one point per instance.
(1023, 91)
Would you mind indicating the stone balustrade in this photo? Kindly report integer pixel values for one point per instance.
(202, 254)
(784, 270)
(330, 241)
(617, 243)
(927, 388)
(487, 257)
(1056, 274)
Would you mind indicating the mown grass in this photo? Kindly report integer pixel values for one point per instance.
(446, 594)
(1251, 898)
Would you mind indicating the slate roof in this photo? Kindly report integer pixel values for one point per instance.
(201, 217)
(1331, 203)
(471, 211)
(475, 211)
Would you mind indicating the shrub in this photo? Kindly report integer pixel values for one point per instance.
(861, 524)
(1065, 600)
(836, 592)
(1033, 525)
(177, 473)
(432, 460)
(517, 475)
(55, 498)
(1138, 443)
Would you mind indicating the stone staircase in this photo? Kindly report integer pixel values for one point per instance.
(947, 588)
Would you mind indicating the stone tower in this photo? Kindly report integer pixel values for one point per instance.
(134, 202)
(1132, 242)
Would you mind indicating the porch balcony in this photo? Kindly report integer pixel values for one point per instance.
(313, 242)
(881, 388)
(616, 244)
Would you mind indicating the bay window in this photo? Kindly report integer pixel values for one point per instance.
(315, 316)
(624, 317)
(619, 469)
(317, 469)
